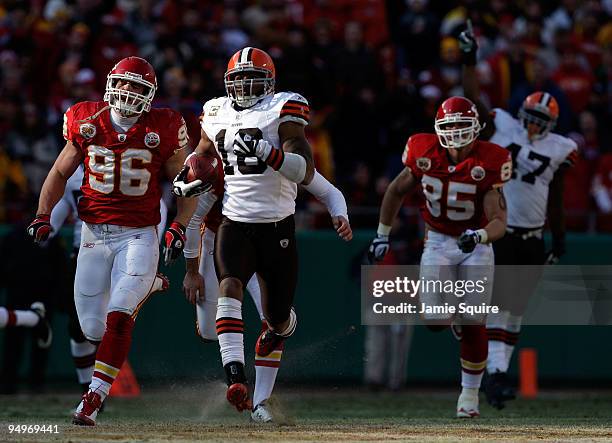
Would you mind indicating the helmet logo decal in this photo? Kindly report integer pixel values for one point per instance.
(477, 173)
(152, 140)
(423, 163)
(87, 130)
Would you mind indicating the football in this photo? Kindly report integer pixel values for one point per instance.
(202, 167)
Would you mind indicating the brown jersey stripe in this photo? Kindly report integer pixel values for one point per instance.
(295, 114)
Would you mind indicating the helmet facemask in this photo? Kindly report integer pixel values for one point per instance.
(453, 137)
(129, 102)
(247, 91)
(537, 123)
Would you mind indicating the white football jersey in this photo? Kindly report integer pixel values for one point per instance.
(254, 192)
(534, 165)
(68, 206)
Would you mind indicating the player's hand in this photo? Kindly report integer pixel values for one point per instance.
(343, 228)
(468, 241)
(193, 287)
(40, 228)
(192, 189)
(378, 248)
(468, 46)
(558, 250)
(246, 145)
(174, 242)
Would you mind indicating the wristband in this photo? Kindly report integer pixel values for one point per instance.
(383, 229)
(482, 235)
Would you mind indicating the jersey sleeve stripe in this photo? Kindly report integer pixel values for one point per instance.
(571, 159)
(295, 114)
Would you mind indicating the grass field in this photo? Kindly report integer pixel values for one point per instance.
(201, 413)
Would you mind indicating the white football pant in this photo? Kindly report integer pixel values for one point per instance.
(116, 269)
(443, 261)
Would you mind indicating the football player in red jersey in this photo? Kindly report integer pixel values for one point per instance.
(464, 211)
(125, 146)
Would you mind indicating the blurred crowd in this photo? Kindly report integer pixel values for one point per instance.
(373, 71)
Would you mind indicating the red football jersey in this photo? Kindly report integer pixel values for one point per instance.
(213, 218)
(454, 194)
(121, 185)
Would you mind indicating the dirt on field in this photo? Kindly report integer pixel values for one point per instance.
(200, 413)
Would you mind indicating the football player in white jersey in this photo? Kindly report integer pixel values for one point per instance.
(534, 192)
(259, 135)
(84, 352)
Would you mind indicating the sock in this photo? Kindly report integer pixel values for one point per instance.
(84, 357)
(473, 355)
(503, 331)
(18, 318)
(112, 352)
(266, 369)
(230, 330)
(513, 331)
(290, 329)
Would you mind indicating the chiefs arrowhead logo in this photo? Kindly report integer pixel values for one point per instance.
(423, 163)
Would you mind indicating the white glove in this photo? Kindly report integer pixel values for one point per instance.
(246, 145)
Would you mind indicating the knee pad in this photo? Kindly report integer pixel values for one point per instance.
(120, 323)
(93, 329)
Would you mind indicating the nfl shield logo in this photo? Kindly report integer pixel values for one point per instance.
(284, 243)
(122, 137)
(87, 130)
(151, 140)
(423, 163)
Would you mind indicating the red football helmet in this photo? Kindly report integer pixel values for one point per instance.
(457, 122)
(257, 76)
(539, 114)
(135, 70)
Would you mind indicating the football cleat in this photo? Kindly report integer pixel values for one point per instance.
(238, 396)
(467, 405)
(86, 412)
(498, 390)
(267, 342)
(44, 334)
(261, 414)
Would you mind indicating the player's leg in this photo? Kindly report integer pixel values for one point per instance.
(91, 297)
(136, 254)
(266, 368)
(401, 337)
(234, 264)
(206, 309)
(477, 267)
(35, 317)
(277, 265)
(161, 281)
(377, 339)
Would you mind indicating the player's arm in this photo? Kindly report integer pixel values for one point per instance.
(193, 282)
(293, 160)
(494, 205)
(174, 237)
(471, 88)
(556, 216)
(391, 204)
(53, 189)
(335, 203)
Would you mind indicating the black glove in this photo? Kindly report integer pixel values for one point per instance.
(468, 241)
(40, 228)
(378, 248)
(558, 250)
(469, 47)
(174, 240)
